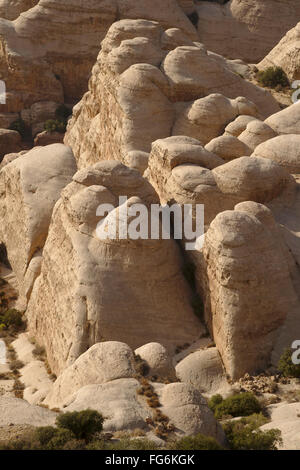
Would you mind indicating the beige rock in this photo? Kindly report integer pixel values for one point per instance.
(85, 309)
(207, 117)
(24, 348)
(37, 382)
(16, 411)
(228, 147)
(256, 133)
(102, 363)
(284, 150)
(245, 29)
(204, 370)
(285, 417)
(29, 188)
(188, 411)
(6, 119)
(237, 126)
(286, 121)
(244, 263)
(285, 54)
(117, 401)
(158, 359)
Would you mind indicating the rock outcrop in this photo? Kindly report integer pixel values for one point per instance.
(138, 76)
(29, 187)
(246, 30)
(245, 262)
(285, 54)
(107, 289)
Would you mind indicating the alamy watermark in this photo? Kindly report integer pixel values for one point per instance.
(2, 92)
(136, 221)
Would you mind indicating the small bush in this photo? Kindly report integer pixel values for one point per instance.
(287, 367)
(197, 442)
(83, 424)
(55, 125)
(13, 319)
(244, 435)
(215, 401)
(16, 365)
(44, 434)
(273, 77)
(243, 404)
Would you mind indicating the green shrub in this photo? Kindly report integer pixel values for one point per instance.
(214, 401)
(55, 125)
(44, 434)
(244, 435)
(273, 77)
(83, 424)
(286, 366)
(12, 318)
(60, 439)
(197, 442)
(243, 404)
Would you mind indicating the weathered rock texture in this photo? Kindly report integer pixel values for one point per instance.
(48, 51)
(245, 262)
(285, 54)
(92, 289)
(11, 9)
(248, 29)
(143, 71)
(29, 188)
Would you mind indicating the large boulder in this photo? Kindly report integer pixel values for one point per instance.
(29, 188)
(284, 150)
(244, 263)
(15, 411)
(115, 288)
(158, 359)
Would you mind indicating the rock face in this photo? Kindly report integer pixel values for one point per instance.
(286, 121)
(245, 262)
(102, 363)
(16, 411)
(11, 9)
(49, 72)
(246, 30)
(285, 54)
(109, 289)
(284, 150)
(29, 187)
(142, 71)
(285, 417)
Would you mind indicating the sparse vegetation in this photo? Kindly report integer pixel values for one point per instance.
(287, 367)
(20, 126)
(83, 424)
(245, 435)
(242, 404)
(273, 77)
(197, 442)
(11, 320)
(55, 125)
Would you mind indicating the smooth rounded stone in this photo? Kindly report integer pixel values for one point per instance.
(158, 359)
(204, 370)
(237, 126)
(188, 411)
(137, 160)
(177, 150)
(102, 363)
(256, 133)
(24, 348)
(206, 118)
(228, 147)
(285, 417)
(192, 72)
(286, 121)
(117, 401)
(193, 178)
(251, 178)
(17, 411)
(259, 211)
(35, 375)
(284, 150)
(10, 141)
(174, 37)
